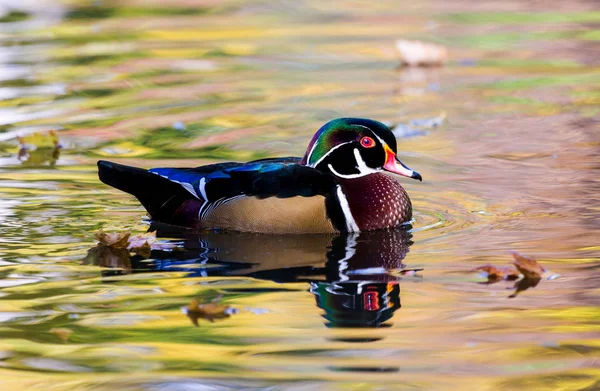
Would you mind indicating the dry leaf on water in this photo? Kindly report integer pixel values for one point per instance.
(114, 248)
(209, 311)
(140, 244)
(143, 250)
(113, 239)
(417, 53)
(531, 270)
(495, 274)
(529, 267)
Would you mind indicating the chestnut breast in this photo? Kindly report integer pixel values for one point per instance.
(377, 201)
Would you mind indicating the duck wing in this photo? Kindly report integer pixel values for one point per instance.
(183, 196)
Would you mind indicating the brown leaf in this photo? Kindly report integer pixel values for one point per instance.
(529, 267)
(144, 250)
(495, 274)
(209, 311)
(62, 332)
(113, 239)
(140, 240)
(113, 249)
(142, 244)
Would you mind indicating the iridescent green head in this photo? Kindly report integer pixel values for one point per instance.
(354, 147)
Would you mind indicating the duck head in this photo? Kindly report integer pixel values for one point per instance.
(354, 147)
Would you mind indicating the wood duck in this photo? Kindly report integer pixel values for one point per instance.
(338, 186)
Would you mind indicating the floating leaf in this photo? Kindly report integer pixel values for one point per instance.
(113, 239)
(529, 267)
(114, 248)
(139, 244)
(417, 53)
(139, 239)
(144, 250)
(495, 274)
(142, 244)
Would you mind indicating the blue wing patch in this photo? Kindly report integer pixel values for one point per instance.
(196, 180)
(189, 181)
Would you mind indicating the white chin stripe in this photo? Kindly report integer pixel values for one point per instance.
(351, 225)
(361, 166)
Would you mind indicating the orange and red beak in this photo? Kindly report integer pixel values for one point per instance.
(394, 165)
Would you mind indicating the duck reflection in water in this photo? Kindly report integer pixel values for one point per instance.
(355, 277)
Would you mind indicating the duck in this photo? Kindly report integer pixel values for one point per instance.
(344, 183)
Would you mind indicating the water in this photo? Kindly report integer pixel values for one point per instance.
(513, 167)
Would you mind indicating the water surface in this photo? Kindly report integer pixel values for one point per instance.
(514, 166)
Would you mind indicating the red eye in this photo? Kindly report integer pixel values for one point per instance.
(367, 142)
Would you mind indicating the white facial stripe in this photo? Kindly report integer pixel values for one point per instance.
(327, 154)
(351, 225)
(361, 166)
(349, 176)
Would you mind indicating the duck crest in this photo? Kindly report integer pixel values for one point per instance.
(376, 201)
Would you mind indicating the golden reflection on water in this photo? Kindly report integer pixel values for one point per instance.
(514, 167)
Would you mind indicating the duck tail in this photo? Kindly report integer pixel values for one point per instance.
(162, 198)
